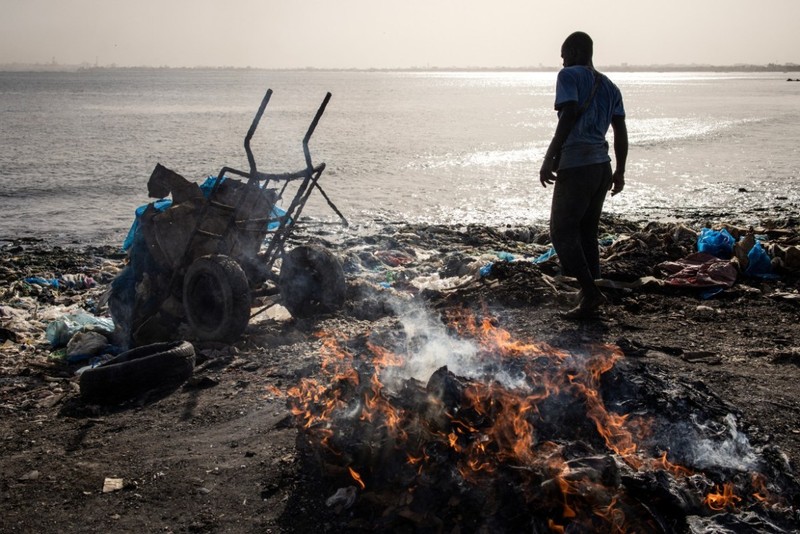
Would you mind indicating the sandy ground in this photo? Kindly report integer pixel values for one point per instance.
(220, 452)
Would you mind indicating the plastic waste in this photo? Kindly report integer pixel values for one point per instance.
(546, 256)
(344, 497)
(718, 243)
(67, 281)
(40, 281)
(83, 345)
(206, 187)
(60, 331)
(505, 256)
(759, 264)
(159, 205)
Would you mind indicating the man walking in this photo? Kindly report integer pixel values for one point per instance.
(577, 161)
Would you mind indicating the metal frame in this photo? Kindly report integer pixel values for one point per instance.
(256, 179)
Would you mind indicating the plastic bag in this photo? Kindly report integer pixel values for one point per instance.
(759, 264)
(718, 243)
(60, 331)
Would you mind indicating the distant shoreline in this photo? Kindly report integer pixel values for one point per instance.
(771, 67)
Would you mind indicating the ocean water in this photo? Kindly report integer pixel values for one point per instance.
(437, 147)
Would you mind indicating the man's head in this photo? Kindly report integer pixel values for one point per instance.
(577, 50)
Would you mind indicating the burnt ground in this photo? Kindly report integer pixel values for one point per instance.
(221, 452)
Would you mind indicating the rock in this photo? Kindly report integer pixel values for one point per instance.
(30, 475)
(112, 484)
(706, 311)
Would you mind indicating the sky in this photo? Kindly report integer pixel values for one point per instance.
(395, 33)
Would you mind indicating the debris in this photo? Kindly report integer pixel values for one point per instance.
(30, 475)
(113, 484)
(85, 344)
(60, 331)
(701, 356)
(159, 365)
(699, 270)
(718, 243)
(343, 498)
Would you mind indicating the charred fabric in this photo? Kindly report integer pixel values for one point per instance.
(200, 258)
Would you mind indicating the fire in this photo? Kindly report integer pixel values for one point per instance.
(666, 465)
(481, 427)
(722, 498)
(356, 477)
(761, 492)
(613, 516)
(274, 391)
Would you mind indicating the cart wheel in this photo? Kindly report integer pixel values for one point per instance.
(136, 371)
(216, 298)
(311, 281)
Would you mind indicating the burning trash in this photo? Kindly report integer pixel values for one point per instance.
(198, 258)
(463, 426)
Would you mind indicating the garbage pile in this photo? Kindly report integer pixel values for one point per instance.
(70, 325)
(518, 266)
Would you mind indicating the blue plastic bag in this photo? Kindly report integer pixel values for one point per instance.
(159, 205)
(718, 243)
(546, 256)
(759, 264)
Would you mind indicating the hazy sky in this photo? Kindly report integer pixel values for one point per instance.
(396, 33)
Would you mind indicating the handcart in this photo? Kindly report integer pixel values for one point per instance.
(216, 249)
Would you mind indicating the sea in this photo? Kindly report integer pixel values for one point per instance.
(430, 147)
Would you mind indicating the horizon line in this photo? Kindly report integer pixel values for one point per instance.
(54, 66)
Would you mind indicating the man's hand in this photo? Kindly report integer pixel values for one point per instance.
(617, 182)
(547, 174)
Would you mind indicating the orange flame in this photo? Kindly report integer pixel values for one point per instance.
(760, 491)
(722, 498)
(356, 477)
(566, 489)
(614, 516)
(274, 391)
(666, 465)
(384, 357)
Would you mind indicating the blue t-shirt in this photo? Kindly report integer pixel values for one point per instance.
(586, 143)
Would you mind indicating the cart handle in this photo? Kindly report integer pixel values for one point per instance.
(311, 129)
(250, 158)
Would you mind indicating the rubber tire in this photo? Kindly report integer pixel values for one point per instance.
(311, 282)
(136, 371)
(216, 298)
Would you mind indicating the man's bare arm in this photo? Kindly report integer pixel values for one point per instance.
(620, 152)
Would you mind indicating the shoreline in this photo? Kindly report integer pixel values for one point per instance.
(757, 217)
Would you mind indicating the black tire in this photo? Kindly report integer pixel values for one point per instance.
(138, 370)
(216, 298)
(311, 282)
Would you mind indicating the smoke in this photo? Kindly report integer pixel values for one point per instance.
(428, 346)
(713, 444)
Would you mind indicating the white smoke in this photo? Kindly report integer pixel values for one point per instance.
(714, 445)
(428, 346)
